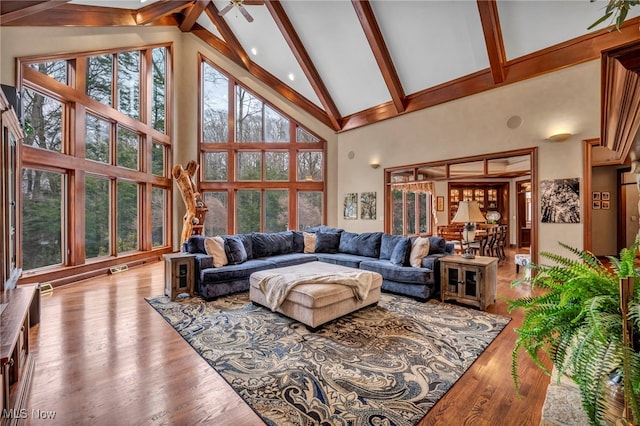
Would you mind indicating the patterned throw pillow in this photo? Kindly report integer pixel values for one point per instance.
(215, 249)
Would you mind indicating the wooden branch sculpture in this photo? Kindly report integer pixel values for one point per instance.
(193, 219)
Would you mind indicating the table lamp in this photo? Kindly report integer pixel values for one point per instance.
(468, 213)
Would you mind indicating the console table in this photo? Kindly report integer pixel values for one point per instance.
(469, 281)
(15, 356)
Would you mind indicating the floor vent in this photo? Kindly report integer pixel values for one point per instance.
(119, 268)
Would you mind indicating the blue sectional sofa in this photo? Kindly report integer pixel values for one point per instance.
(372, 251)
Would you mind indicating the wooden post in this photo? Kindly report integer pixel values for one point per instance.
(626, 293)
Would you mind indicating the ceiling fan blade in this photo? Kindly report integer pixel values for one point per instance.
(245, 13)
(226, 9)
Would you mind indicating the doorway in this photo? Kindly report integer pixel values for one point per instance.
(524, 212)
(627, 209)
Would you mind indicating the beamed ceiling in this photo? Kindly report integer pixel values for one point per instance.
(353, 63)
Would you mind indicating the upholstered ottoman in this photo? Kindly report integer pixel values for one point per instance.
(315, 303)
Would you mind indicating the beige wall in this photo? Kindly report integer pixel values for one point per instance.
(564, 101)
(604, 228)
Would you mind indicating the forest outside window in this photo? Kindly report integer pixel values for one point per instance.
(260, 171)
(84, 201)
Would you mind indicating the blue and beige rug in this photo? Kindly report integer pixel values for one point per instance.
(385, 365)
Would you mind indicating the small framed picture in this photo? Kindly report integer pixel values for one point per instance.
(606, 196)
(596, 195)
(440, 203)
(605, 205)
(596, 205)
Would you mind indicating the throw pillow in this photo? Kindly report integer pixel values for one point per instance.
(309, 242)
(234, 249)
(215, 249)
(419, 249)
(327, 242)
(401, 251)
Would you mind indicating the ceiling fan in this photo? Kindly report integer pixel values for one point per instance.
(237, 4)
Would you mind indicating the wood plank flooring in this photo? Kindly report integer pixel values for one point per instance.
(105, 357)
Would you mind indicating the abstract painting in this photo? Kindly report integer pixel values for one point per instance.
(560, 200)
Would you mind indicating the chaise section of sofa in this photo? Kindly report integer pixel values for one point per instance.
(374, 251)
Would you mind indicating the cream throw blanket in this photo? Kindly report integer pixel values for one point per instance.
(276, 286)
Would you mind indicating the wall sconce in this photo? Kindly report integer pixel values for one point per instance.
(559, 137)
(374, 165)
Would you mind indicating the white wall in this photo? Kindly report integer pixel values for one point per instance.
(564, 101)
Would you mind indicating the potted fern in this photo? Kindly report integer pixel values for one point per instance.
(577, 320)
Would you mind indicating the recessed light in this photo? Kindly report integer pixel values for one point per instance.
(291, 76)
(254, 51)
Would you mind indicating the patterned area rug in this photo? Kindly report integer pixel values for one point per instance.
(385, 365)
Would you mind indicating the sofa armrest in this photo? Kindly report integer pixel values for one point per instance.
(449, 248)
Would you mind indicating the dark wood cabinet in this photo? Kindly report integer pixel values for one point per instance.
(11, 137)
(469, 281)
(490, 197)
(15, 355)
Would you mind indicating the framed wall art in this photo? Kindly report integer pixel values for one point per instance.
(595, 196)
(606, 196)
(440, 203)
(368, 206)
(560, 200)
(350, 206)
(596, 204)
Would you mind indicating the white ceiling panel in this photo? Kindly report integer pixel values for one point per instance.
(265, 45)
(206, 23)
(528, 26)
(432, 42)
(334, 39)
(121, 4)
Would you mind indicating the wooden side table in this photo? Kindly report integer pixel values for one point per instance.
(469, 281)
(179, 270)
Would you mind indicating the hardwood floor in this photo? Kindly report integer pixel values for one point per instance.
(105, 357)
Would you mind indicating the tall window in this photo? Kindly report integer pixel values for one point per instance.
(261, 171)
(84, 199)
(411, 212)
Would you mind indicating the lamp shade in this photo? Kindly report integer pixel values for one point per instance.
(468, 211)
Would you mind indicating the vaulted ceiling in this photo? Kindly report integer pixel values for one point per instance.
(353, 63)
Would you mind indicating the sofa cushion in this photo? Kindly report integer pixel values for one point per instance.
(271, 244)
(327, 242)
(324, 228)
(436, 245)
(298, 242)
(234, 248)
(402, 274)
(195, 244)
(344, 259)
(233, 272)
(365, 244)
(215, 248)
(387, 244)
(400, 254)
(291, 259)
(419, 249)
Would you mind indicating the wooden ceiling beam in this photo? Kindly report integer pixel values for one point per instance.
(490, 21)
(572, 52)
(152, 12)
(193, 14)
(13, 10)
(229, 37)
(380, 52)
(302, 56)
(86, 16)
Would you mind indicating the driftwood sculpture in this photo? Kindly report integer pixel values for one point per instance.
(193, 219)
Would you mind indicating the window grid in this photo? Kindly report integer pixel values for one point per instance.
(260, 158)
